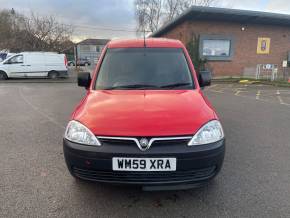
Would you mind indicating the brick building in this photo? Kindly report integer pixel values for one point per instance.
(234, 42)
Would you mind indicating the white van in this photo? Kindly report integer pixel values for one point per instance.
(34, 64)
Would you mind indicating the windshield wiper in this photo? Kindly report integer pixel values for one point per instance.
(141, 86)
(133, 86)
(174, 85)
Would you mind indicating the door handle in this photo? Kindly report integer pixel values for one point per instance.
(25, 65)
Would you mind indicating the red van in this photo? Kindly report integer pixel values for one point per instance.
(145, 120)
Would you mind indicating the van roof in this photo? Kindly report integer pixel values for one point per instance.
(37, 52)
(150, 42)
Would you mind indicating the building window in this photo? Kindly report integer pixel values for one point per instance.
(216, 47)
(85, 48)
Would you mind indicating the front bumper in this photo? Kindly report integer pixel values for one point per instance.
(195, 165)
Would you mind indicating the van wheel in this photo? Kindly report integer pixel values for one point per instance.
(3, 75)
(53, 75)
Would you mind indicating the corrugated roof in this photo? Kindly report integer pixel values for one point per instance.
(225, 14)
(94, 42)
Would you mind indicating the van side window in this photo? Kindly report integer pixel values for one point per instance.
(16, 60)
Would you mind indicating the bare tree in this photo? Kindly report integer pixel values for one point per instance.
(10, 30)
(45, 33)
(148, 13)
(172, 8)
(34, 33)
(151, 14)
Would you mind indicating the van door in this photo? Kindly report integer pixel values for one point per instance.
(36, 65)
(16, 66)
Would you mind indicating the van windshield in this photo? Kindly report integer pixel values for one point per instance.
(144, 68)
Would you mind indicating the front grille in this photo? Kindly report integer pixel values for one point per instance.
(127, 142)
(117, 142)
(171, 142)
(144, 177)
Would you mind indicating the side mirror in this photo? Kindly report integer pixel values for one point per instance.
(84, 80)
(204, 78)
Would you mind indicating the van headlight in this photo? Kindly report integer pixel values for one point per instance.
(77, 132)
(209, 133)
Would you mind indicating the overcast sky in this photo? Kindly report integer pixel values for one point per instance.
(97, 18)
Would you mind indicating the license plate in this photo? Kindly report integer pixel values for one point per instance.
(144, 164)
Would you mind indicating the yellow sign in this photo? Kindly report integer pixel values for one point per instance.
(263, 45)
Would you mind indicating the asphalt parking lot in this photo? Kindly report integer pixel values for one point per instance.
(34, 181)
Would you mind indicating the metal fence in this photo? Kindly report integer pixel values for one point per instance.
(267, 72)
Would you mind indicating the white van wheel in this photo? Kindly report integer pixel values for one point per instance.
(53, 75)
(3, 75)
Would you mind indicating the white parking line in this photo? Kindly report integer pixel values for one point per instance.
(267, 94)
(281, 100)
(258, 94)
(237, 93)
(211, 86)
(284, 91)
(218, 91)
(239, 90)
(43, 114)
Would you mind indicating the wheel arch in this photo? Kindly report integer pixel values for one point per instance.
(53, 71)
(2, 71)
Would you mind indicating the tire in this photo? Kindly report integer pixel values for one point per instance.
(3, 75)
(53, 74)
(71, 64)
